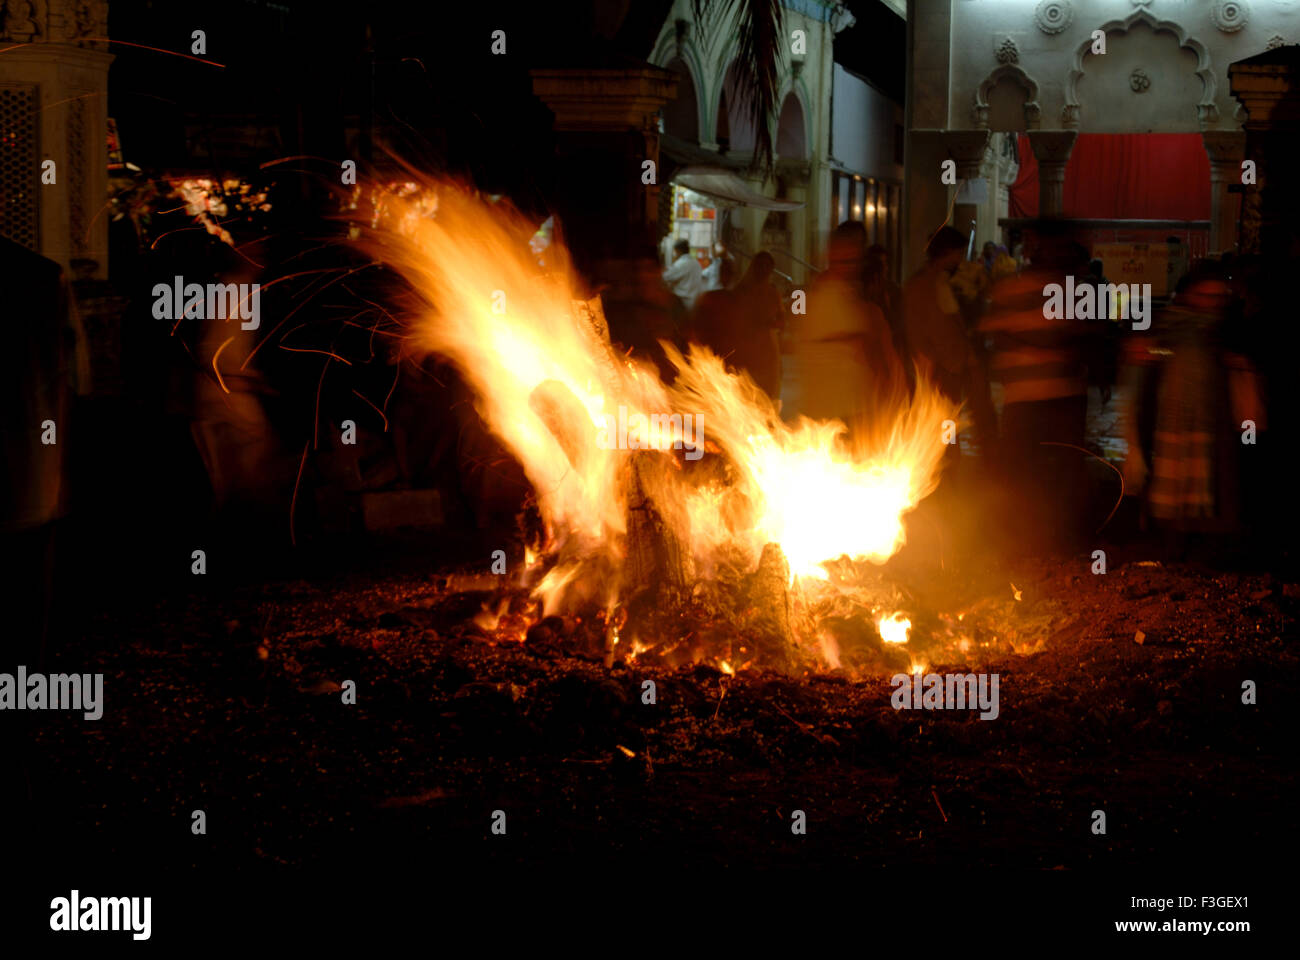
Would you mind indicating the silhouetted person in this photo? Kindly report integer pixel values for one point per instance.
(1103, 342)
(43, 364)
(1038, 359)
(1202, 393)
(685, 278)
(989, 254)
(720, 274)
(844, 354)
(743, 325)
(881, 290)
(936, 333)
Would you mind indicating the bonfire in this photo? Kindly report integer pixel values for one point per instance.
(678, 521)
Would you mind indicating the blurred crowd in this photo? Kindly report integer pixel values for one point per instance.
(246, 452)
(977, 329)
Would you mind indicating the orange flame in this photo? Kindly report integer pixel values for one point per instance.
(549, 384)
(894, 629)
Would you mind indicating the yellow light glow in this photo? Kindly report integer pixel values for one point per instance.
(894, 629)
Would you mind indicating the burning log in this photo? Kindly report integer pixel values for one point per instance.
(567, 420)
(657, 568)
(768, 621)
(656, 557)
(634, 537)
(554, 403)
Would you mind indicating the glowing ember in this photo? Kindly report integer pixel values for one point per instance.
(830, 650)
(894, 629)
(211, 201)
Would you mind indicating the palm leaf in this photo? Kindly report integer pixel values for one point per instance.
(759, 31)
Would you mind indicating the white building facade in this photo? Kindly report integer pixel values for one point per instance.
(983, 71)
(829, 139)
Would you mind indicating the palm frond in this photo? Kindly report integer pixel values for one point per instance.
(760, 34)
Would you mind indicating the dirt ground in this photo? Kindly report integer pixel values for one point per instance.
(230, 702)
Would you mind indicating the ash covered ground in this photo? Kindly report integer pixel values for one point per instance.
(229, 702)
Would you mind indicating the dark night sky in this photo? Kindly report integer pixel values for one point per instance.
(875, 47)
(295, 72)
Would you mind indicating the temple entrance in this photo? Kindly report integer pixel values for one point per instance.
(1135, 189)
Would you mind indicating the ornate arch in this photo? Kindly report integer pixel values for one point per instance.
(1007, 71)
(791, 80)
(668, 49)
(1206, 112)
(726, 58)
(794, 86)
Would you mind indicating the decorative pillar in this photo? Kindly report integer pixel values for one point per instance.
(607, 126)
(54, 107)
(1008, 167)
(987, 216)
(1052, 151)
(1227, 148)
(796, 175)
(925, 198)
(927, 201)
(967, 148)
(1268, 87)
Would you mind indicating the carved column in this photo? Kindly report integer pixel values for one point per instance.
(607, 127)
(1227, 148)
(1052, 151)
(1008, 165)
(1268, 86)
(925, 197)
(54, 101)
(796, 175)
(967, 148)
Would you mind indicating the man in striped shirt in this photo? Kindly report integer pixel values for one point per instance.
(1038, 358)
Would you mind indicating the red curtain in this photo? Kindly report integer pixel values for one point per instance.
(1147, 176)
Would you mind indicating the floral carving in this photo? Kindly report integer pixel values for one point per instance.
(1230, 15)
(1053, 16)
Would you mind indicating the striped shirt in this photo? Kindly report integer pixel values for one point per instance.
(1034, 357)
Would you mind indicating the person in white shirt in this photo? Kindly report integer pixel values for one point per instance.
(685, 278)
(717, 275)
(712, 275)
(666, 250)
